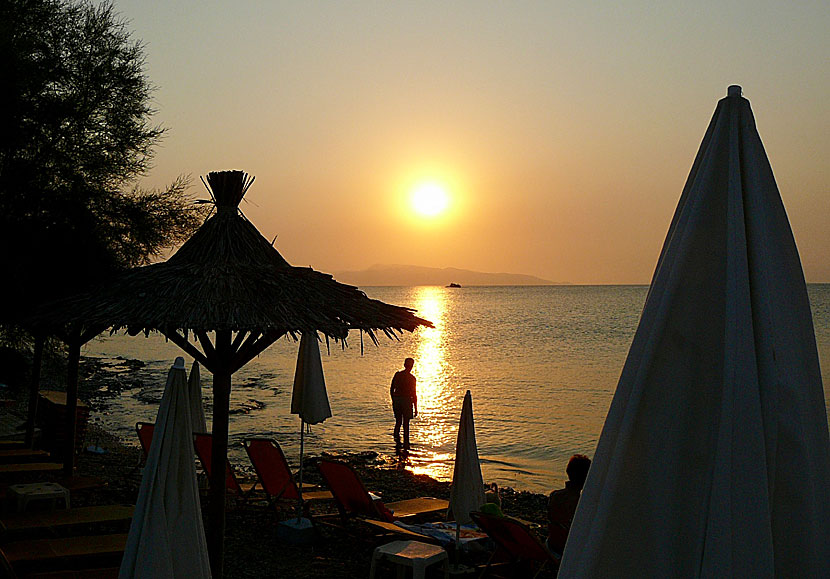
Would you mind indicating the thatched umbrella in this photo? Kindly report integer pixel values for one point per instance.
(229, 280)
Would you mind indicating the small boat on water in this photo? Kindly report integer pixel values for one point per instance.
(453, 284)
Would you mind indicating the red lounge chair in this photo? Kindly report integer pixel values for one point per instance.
(145, 436)
(515, 540)
(353, 500)
(204, 443)
(274, 473)
(144, 430)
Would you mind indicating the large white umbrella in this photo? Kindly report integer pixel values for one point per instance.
(467, 489)
(197, 409)
(714, 460)
(166, 536)
(309, 398)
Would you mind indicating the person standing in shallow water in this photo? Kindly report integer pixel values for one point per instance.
(404, 400)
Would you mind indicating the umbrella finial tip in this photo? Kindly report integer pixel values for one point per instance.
(179, 363)
(734, 90)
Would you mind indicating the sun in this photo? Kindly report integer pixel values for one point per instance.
(430, 199)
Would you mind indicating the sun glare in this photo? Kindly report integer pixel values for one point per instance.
(430, 199)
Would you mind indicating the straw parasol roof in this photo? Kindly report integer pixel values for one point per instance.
(229, 280)
(227, 276)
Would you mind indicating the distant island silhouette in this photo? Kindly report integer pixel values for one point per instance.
(385, 275)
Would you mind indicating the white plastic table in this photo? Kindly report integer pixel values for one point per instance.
(26, 493)
(413, 554)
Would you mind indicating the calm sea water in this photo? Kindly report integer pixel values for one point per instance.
(542, 364)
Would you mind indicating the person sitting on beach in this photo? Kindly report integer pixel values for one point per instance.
(404, 400)
(562, 503)
(492, 501)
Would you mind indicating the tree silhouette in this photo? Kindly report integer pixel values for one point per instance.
(76, 134)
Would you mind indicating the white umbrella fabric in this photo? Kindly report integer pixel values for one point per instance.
(197, 409)
(714, 458)
(467, 489)
(309, 398)
(166, 536)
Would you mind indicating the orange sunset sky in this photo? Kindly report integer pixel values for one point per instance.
(561, 133)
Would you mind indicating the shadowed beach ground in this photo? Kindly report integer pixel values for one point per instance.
(252, 548)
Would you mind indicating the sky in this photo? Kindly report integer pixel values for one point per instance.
(562, 132)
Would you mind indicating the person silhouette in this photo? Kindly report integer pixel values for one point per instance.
(562, 503)
(404, 400)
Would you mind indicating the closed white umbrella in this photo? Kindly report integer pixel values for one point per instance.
(309, 398)
(467, 489)
(714, 459)
(166, 536)
(197, 409)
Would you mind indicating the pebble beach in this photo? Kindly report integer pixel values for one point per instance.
(252, 546)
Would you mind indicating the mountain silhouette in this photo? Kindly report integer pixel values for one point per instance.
(385, 275)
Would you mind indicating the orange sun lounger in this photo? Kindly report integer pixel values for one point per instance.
(274, 473)
(203, 443)
(515, 540)
(353, 499)
(145, 436)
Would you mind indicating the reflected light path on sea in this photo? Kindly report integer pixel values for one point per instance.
(434, 392)
(542, 364)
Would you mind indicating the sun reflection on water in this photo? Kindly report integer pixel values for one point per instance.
(433, 371)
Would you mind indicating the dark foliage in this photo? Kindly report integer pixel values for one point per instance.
(75, 135)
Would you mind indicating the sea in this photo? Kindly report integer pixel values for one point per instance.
(541, 363)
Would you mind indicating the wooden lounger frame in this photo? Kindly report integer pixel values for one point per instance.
(70, 552)
(48, 520)
(12, 469)
(22, 455)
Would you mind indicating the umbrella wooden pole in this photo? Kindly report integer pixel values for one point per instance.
(455, 554)
(37, 361)
(300, 494)
(219, 453)
(72, 365)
